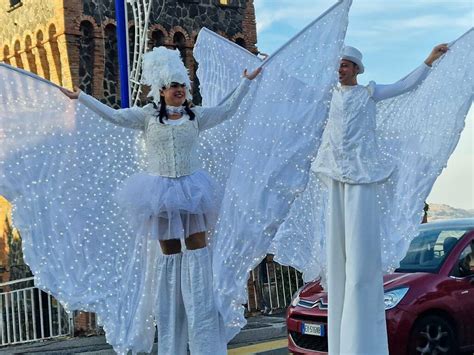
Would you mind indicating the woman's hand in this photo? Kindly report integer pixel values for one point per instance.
(73, 95)
(437, 52)
(252, 75)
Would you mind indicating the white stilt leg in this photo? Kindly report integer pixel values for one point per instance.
(336, 256)
(355, 285)
(363, 325)
(170, 314)
(201, 311)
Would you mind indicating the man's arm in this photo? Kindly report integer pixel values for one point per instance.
(412, 80)
(436, 53)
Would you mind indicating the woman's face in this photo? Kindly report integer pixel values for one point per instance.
(175, 94)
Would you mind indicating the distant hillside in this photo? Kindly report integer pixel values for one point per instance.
(446, 212)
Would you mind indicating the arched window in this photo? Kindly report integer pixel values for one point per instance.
(157, 39)
(42, 54)
(131, 43)
(30, 57)
(111, 68)
(55, 52)
(86, 57)
(179, 42)
(18, 60)
(6, 55)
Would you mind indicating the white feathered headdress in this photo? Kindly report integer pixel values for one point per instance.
(161, 67)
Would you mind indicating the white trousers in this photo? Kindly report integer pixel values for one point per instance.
(186, 310)
(356, 312)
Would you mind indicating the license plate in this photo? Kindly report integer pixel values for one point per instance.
(313, 329)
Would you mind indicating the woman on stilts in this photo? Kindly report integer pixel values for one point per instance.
(174, 201)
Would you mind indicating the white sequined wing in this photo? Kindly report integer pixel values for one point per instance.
(221, 65)
(419, 131)
(60, 165)
(281, 126)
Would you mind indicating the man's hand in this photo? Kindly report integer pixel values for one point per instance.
(252, 75)
(73, 95)
(437, 52)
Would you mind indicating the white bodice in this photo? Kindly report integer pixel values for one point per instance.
(349, 152)
(170, 148)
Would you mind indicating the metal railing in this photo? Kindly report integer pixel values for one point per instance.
(29, 314)
(271, 287)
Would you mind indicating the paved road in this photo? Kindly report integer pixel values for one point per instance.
(97, 346)
(274, 347)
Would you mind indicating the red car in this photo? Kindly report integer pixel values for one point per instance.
(429, 300)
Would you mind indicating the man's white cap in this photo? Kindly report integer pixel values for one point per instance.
(354, 55)
(161, 67)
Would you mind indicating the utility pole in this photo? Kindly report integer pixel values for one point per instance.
(122, 45)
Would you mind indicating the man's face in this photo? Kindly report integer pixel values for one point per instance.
(348, 72)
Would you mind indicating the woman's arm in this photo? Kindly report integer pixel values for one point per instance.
(209, 117)
(129, 117)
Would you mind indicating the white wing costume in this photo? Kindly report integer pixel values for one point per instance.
(417, 131)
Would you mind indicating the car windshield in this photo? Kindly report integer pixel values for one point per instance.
(429, 249)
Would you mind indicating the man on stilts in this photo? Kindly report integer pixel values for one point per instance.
(351, 163)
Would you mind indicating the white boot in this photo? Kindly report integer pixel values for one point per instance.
(170, 314)
(201, 311)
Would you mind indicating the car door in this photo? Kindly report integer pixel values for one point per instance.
(463, 272)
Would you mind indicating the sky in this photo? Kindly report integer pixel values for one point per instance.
(395, 36)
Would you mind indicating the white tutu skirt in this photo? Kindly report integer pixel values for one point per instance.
(169, 208)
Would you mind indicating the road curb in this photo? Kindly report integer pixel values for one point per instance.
(269, 328)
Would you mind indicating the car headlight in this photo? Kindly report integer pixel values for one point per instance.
(296, 297)
(393, 297)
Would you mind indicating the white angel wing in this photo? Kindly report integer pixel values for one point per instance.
(300, 241)
(419, 131)
(218, 146)
(282, 121)
(60, 165)
(227, 60)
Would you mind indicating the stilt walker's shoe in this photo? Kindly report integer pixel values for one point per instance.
(201, 311)
(171, 317)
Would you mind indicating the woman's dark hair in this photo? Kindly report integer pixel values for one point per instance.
(162, 114)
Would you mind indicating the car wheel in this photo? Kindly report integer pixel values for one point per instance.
(432, 335)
